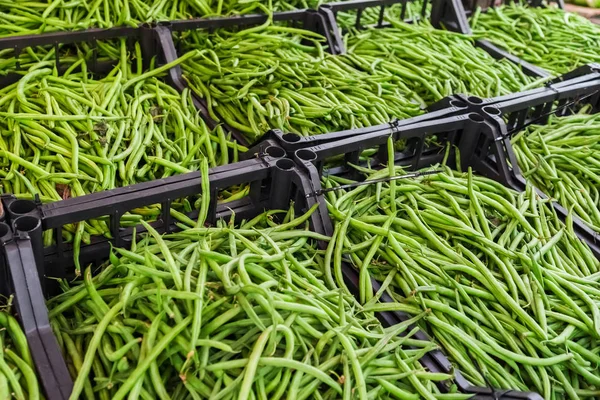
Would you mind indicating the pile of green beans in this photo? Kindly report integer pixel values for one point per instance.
(268, 77)
(24, 17)
(562, 159)
(434, 63)
(17, 373)
(226, 313)
(71, 134)
(548, 37)
(68, 135)
(513, 293)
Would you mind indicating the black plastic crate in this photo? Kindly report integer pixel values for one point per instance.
(479, 148)
(449, 14)
(323, 21)
(482, 138)
(273, 175)
(274, 181)
(155, 41)
(444, 13)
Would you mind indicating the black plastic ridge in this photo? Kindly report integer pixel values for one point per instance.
(33, 314)
(578, 86)
(474, 103)
(55, 38)
(291, 142)
(537, 107)
(273, 183)
(115, 203)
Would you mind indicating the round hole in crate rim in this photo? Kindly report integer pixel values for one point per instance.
(275, 152)
(26, 223)
(475, 99)
(492, 110)
(21, 207)
(306, 155)
(476, 117)
(4, 229)
(285, 164)
(458, 104)
(291, 137)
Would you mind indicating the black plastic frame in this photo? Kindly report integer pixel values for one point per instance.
(291, 142)
(21, 280)
(448, 13)
(156, 41)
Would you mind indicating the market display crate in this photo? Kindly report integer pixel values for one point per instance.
(564, 93)
(537, 32)
(482, 139)
(330, 21)
(480, 148)
(275, 181)
(322, 21)
(483, 144)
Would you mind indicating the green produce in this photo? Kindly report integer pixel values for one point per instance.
(24, 17)
(267, 77)
(17, 373)
(562, 159)
(225, 313)
(512, 293)
(434, 63)
(67, 135)
(548, 37)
